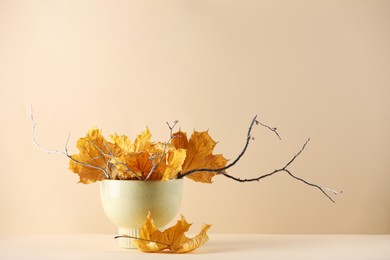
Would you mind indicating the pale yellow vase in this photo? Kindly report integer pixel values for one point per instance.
(127, 202)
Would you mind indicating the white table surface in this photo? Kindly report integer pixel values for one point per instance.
(103, 246)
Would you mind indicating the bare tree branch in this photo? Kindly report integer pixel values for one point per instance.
(284, 169)
(106, 174)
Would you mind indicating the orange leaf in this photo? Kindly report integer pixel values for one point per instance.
(199, 155)
(123, 142)
(172, 239)
(142, 142)
(173, 163)
(95, 151)
(179, 140)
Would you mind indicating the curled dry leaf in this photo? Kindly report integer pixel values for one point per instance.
(173, 238)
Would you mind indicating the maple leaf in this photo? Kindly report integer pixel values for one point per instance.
(135, 159)
(172, 239)
(92, 147)
(123, 142)
(135, 163)
(174, 162)
(180, 140)
(199, 155)
(142, 142)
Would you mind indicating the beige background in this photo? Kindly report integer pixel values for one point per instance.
(317, 69)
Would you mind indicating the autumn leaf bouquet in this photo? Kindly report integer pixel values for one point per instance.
(122, 159)
(143, 161)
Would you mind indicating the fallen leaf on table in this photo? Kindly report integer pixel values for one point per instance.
(173, 238)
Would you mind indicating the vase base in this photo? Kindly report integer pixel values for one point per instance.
(125, 242)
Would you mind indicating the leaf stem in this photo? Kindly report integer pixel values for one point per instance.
(138, 238)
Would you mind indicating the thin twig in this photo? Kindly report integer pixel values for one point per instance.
(66, 144)
(106, 157)
(268, 174)
(161, 156)
(296, 155)
(152, 158)
(138, 238)
(61, 152)
(273, 129)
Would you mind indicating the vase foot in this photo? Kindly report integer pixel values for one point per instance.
(127, 242)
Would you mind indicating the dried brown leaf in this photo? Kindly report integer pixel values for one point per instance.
(172, 239)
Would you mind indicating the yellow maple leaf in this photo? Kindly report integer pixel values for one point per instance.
(174, 163)
(123, 142)
(96, 151)
(121, 168)
(173, 238)
(142, 142)
(138, 163)
(199, 155)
